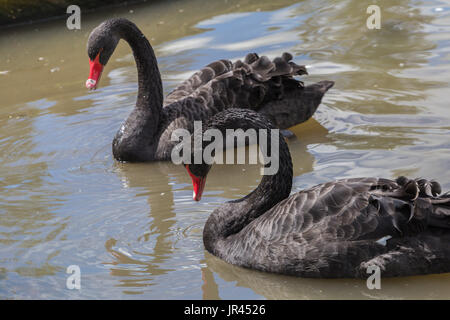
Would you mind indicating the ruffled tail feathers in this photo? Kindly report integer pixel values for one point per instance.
(262, 69)
(413, 204)
(420, 187)
(427, 202)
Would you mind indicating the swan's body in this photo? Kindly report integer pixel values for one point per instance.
(256, 83)
(335, 229)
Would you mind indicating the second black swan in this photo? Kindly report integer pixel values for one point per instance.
(336, 229)
(256, 83)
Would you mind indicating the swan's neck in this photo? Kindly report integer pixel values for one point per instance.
(233, 216)
(150, 93)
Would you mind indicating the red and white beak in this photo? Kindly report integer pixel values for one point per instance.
(95, 72)
(198, 184)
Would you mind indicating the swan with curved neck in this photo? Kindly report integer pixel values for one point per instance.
(333, 230)
(256, 83)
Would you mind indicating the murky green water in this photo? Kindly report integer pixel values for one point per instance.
(133, 229)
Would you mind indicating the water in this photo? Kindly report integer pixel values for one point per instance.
(133, 229)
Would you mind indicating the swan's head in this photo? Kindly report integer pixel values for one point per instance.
(198, 173)
(101, 44)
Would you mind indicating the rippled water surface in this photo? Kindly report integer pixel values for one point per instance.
(133, 229)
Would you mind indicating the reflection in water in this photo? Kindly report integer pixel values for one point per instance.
(28, 206)
(133, 228)
(272, 286)
(139, 267)
(210, 289)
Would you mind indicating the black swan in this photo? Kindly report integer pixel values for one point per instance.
(333, 230)
(256, 83)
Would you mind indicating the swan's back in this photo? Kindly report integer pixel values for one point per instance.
(338, 229)
(198, 79)
(251, 81)
(250, 84)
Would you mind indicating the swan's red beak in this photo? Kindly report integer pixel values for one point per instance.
(198, 184)
(95, 72)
